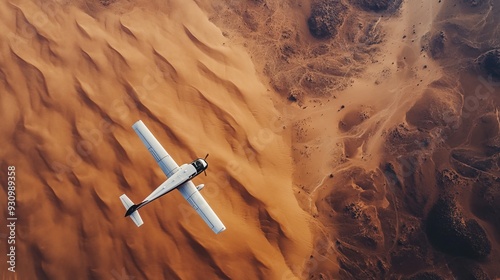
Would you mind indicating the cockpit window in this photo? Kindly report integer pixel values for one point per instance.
(198, 164)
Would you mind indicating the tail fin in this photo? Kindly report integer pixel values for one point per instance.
(131, 210)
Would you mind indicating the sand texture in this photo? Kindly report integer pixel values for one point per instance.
(348, 139)
(74, 78)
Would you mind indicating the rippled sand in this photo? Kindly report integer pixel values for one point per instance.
(352, 139)
(74, 78)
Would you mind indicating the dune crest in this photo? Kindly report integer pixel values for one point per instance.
(75, 76)
(348, 139)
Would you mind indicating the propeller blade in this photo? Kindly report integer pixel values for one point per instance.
(205, 172)
(206, 156)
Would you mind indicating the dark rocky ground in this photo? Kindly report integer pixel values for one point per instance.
(326, 17)
(490, 62)
(378, 5)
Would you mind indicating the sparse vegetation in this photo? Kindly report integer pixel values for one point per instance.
(490, 62)
(450, 232)
(326, 17)
(437, 44)
(378, 5)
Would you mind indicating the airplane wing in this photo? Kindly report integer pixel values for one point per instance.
(161, 156)
(194, 197)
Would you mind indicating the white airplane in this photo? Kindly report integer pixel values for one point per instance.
(178, 178)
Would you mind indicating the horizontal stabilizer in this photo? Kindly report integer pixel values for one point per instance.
(134, 215)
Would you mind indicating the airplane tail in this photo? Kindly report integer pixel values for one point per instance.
(131, 210)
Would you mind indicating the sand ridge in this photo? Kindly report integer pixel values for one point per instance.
(75, 76)
(365, 154)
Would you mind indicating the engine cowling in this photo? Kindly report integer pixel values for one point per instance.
(200, 186)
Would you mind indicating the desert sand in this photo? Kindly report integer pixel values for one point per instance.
(75, 77)
(348, 139)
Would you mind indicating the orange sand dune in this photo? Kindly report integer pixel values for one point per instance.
(348, 139)
(74, 78)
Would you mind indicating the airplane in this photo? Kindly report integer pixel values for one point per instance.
(178, 177)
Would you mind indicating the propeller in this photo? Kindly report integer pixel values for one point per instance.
(204, 171)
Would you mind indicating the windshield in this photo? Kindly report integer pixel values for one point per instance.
(200, 165)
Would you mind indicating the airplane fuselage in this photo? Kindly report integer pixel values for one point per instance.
(179, 178)
(185, 173)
